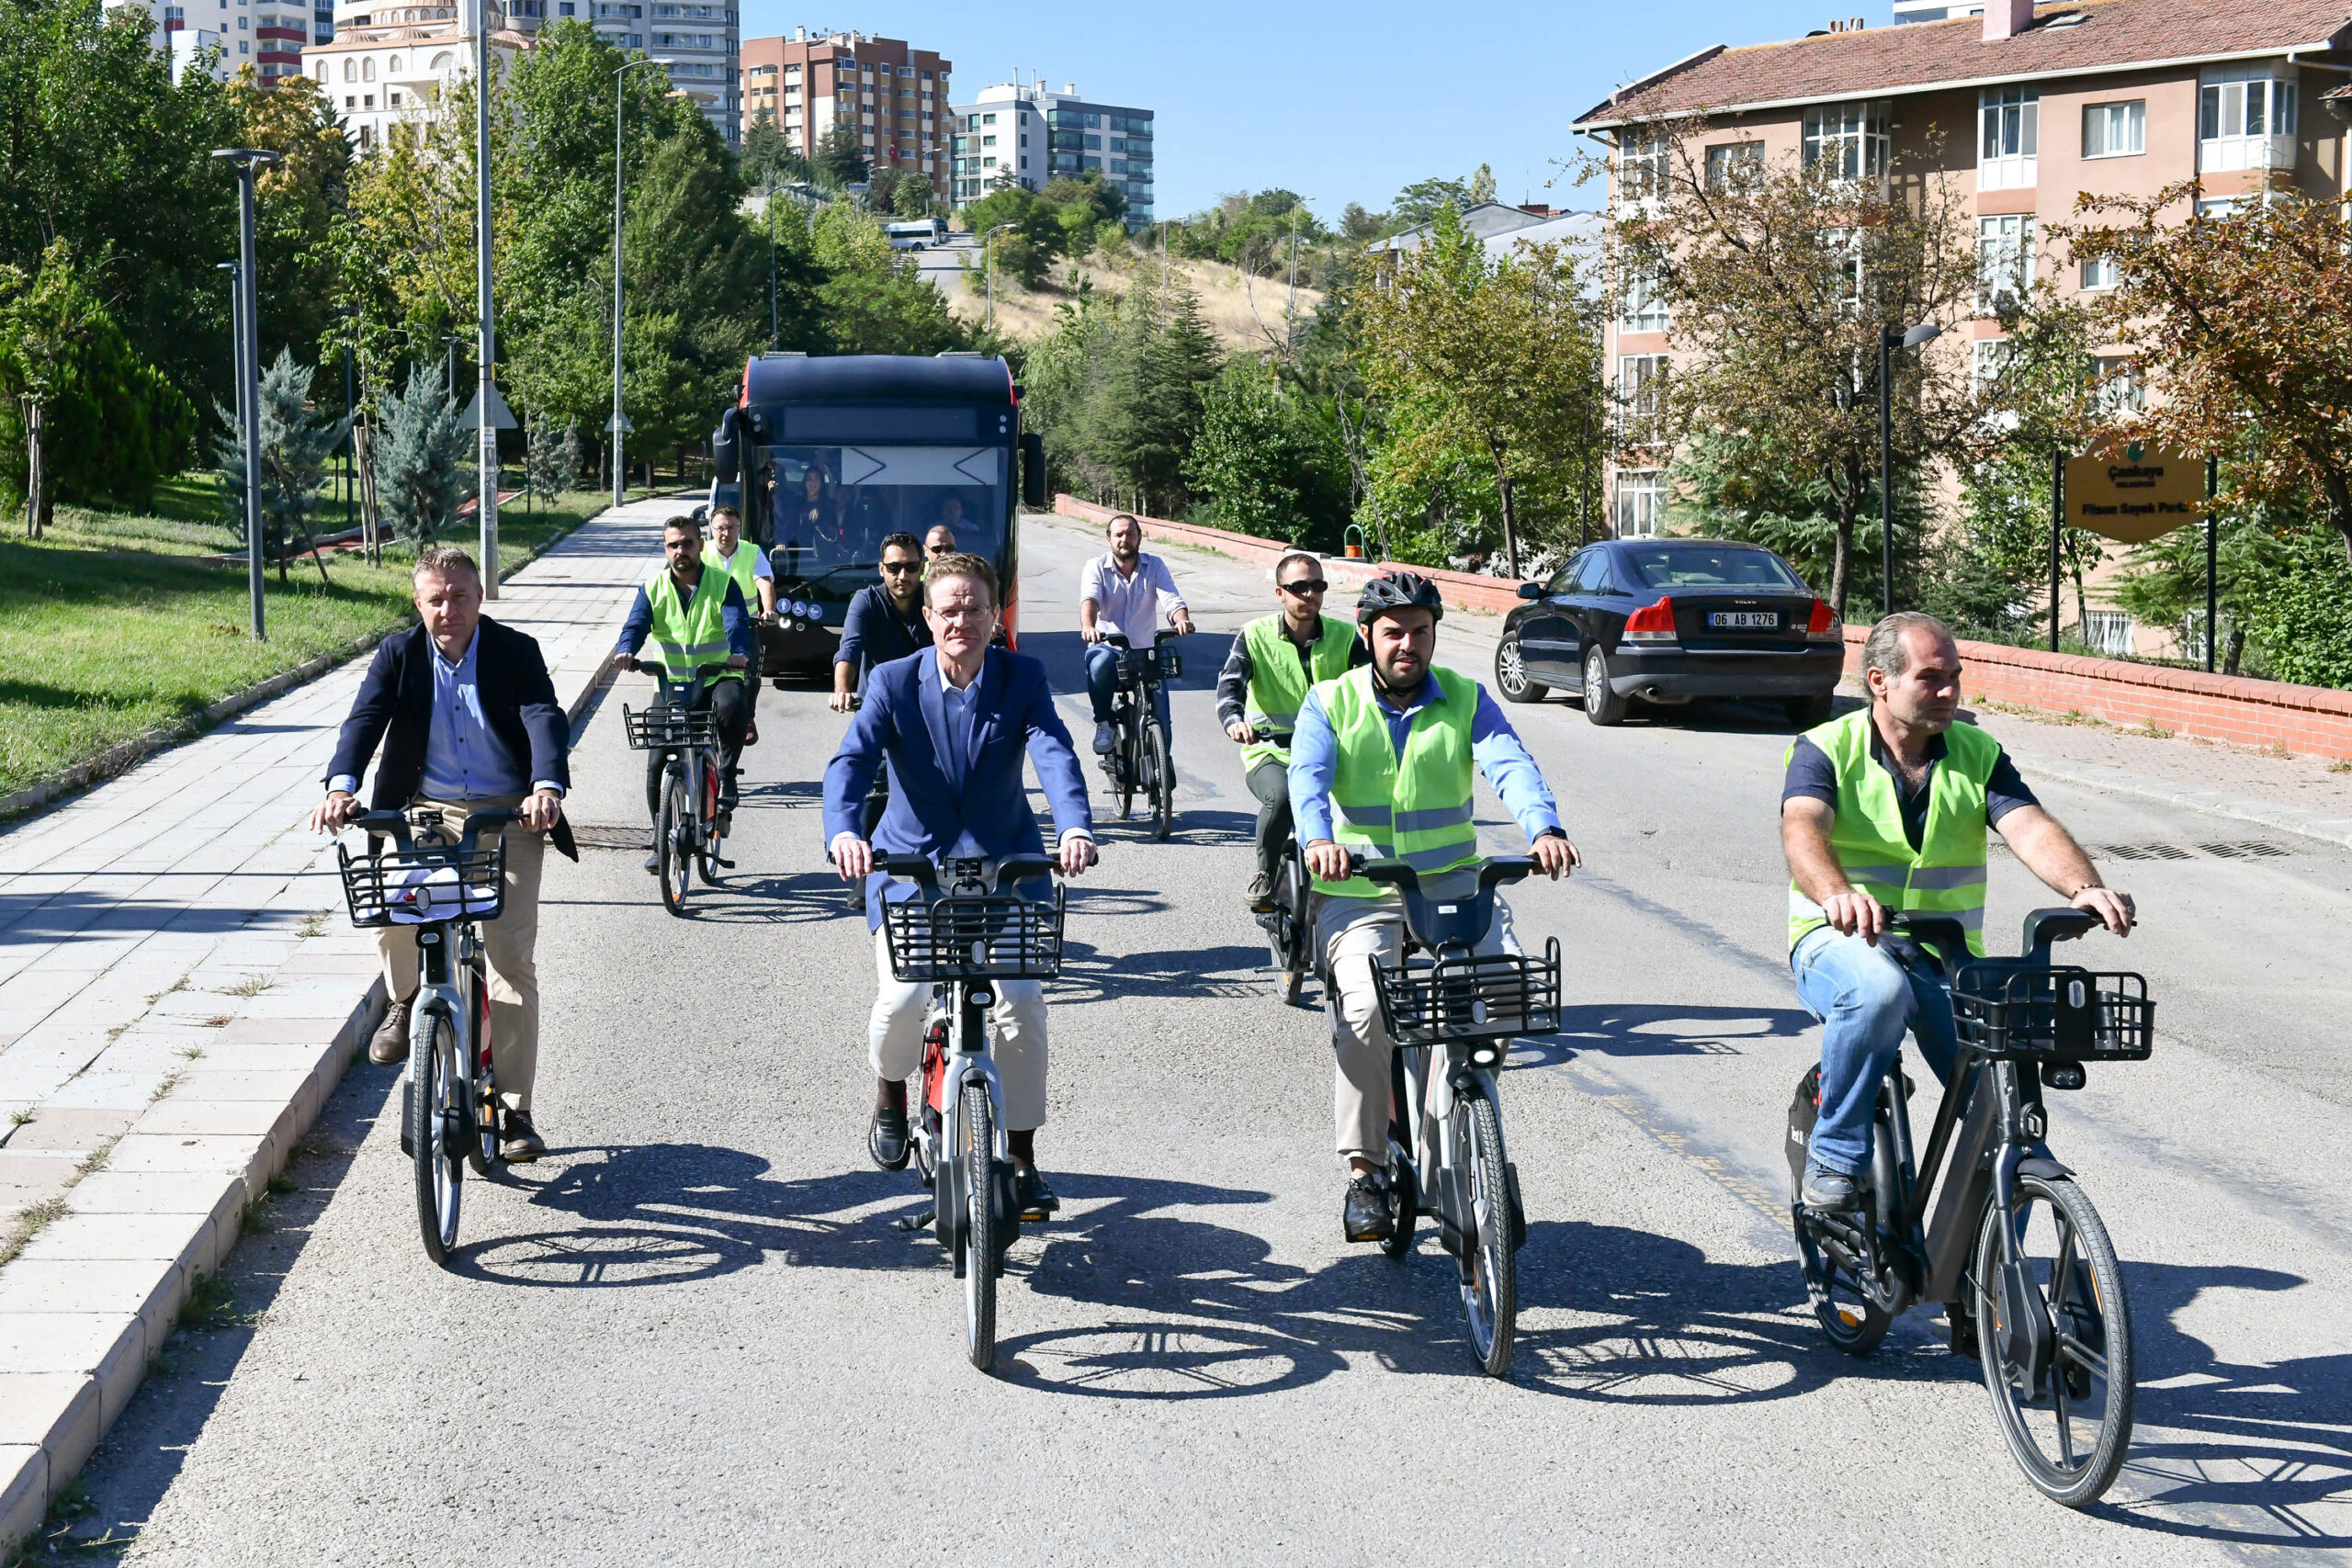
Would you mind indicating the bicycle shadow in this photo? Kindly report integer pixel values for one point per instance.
(1648, 1029)
(1089, 973)
(2243, 1451)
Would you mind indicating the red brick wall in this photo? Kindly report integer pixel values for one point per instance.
(2310, 721)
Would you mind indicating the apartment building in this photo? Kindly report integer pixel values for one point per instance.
(390, 63)
(269, 35)
(894, 94)
(1022, 134)
(2023, 107)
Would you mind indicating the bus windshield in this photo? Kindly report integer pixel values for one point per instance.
(832, 506)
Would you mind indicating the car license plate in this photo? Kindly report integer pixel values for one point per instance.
(1745, 620)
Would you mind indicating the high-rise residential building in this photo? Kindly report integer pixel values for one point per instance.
(1024, 133)
(894, 94)
(267, 35)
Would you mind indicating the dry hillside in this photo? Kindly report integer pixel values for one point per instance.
(1242, 310)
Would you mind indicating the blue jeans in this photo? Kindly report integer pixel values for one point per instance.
(1865, 998)
(1103, 678)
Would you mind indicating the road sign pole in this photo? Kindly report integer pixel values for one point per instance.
(488, 341)
(2057, 522)
(2212, 554)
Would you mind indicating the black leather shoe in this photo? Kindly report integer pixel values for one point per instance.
(1365, 1216)
(523, 1142)
(886, 1139)
(1029, 1189)
(389, 1042)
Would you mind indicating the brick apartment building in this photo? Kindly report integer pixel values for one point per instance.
(2034, 105)
(896, 95)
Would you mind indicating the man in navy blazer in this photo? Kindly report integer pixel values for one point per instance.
(468, 722)
(954, 723)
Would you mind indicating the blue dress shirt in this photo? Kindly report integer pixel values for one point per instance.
(463, 757)
(1494, 745)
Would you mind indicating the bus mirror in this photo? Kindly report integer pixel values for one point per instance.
(1032, 471)
(726, 449)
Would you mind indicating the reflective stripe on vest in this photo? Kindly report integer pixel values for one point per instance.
(1946, 874)
(1416, 809)
(689, 635)
(1278, 683)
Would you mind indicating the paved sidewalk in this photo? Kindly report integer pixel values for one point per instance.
(179, 991)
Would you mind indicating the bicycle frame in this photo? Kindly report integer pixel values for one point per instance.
(700, 761)
(966, 1003)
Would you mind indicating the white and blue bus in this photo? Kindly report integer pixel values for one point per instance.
(826, 456)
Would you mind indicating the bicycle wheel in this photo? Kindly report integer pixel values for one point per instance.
(1404, 1199)
(1292, 933)
(2055, 1337)
(1490, 1296)
(482, 1147)
(1159, 779)
(1124, 780)
(975, 1155)
(673, 841)
(706, 826)
(434, 1084)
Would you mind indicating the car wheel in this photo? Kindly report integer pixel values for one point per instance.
(1510, 675)
(1601, 706)
(1807, 712)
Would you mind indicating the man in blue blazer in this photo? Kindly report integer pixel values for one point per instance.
(954, 723)
(468, 722)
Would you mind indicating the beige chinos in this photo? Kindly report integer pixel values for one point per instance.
(509, 942)
(1016, 1044)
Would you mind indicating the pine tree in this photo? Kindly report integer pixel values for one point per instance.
(295, 446)
(416, 458)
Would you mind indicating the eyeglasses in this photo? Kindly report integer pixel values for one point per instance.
(1304, 588)
(894, 567)
(942, 550)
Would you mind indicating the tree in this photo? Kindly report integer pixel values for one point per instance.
(1418, 203)
(1500, 354)
(552, 455)
(1359, 226)
(1117, 390)
(416, 458)
(769, 159)
(2237, 318)
(841, 158)
(296, 202)
(109, 424)
(295, 446)
(1260, 458)
(1482, 185)
(1779, 280)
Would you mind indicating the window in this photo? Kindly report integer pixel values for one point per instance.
(2107, 632)
(1636, 503)
(1643, 162)
(2245, 119)
(2115, 130)
(1850, 139)
(1640, 378)
(2102, 272)
(988, 140)
(368, 69)
(1645, 310)
(2008, 122)
(2120, 389)
(987, 120)
(2004, 261)
(1992, 358)
(1592, 573)
(1733, 161)
(350, 70)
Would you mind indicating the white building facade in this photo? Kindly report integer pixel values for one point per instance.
(1024, 133)
(269, 35)
(383, 67)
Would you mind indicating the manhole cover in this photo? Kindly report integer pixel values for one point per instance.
(612, 836)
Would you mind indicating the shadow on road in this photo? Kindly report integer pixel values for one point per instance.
(1647, 1029)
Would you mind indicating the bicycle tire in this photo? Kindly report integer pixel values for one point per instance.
(1404, 1196)
(2106, 1370)
(669, 838)
(707, 828)
(1162, 781)
(440, 1169)
(1294, 931)
(976, 1152)
(481, 1148)
(1125, 784)
(1493, 1262)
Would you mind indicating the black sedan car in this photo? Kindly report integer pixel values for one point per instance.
(1670, 620)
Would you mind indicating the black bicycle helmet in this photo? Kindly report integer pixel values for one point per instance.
(1398, 590)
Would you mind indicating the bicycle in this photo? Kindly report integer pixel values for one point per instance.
(449, 1117)
(1137, 762)
(2014, 1252)
(688, 826)
(1290, 924)
(961, 937)
(1469, 1005)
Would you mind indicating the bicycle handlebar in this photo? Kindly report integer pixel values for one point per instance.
(1950, 937)
(396, 826)
(1462, 922)
(922, 871)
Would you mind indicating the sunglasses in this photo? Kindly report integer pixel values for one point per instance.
(894, 567)
(942, 550)
(1303, 587)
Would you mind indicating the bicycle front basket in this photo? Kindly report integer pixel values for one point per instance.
(994, 936)
(431, 882)
(1486, 996)
(1169, 660)
(667, 726)
(2056, 1013)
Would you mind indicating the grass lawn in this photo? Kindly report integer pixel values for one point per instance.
(113, 625)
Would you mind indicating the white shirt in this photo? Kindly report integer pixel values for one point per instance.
(759, 566)
(1130, 605)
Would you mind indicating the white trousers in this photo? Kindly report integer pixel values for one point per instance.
(1017, 1042)
(1351, 933)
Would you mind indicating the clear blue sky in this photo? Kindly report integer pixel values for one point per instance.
(1338, 101)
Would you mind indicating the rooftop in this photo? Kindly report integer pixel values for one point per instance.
(2071, 38)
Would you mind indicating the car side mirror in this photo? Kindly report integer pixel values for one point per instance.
(1531, 591)
(1032, 471)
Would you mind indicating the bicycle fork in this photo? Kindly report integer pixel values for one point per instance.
(1440, 1165)
(438, 996)
(971, 1070)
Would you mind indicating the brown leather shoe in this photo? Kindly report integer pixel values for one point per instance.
(389, 1042)
(523, 1142)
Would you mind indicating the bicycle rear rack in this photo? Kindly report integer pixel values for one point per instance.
(974, 937)
(430, 882)
(1471, 997)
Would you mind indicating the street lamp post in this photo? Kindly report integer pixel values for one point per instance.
(621, 422)
(987, 269)
(246, 159)
(1889, 340)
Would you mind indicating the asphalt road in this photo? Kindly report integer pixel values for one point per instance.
(693, 1333)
